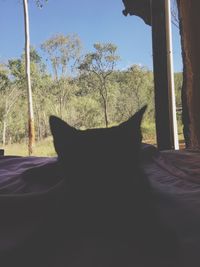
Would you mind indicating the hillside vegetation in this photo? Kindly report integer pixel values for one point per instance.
(86, 90)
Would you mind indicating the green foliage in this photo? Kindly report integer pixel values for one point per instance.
(102, 61)
(100, 65)
(79, 98)
(135, 90)
(178, 79)
(63, 51)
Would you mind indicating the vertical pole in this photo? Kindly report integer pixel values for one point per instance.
(31, 128)
(162, 78)
(170, 71)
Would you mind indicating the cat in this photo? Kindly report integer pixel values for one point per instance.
(107, 194)
(103, 212)
(102, 172)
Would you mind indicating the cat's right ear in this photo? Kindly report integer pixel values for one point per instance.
(62, 133)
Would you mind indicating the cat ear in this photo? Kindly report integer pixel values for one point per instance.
(62, 133)
(59, 127)
(135, 120)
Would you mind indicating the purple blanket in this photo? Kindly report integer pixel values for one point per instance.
(19, 174)
(30, 189)
(31, 192)
(175, 177)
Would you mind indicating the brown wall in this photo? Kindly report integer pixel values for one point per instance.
(189, 13)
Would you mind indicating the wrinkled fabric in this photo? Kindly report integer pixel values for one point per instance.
(32, 194)
(175, 179)
(30, 188)
(17, 174)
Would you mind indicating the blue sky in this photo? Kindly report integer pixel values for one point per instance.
(93, 20)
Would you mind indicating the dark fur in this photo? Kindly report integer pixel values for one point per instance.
(102, 173)
(104, 212)
(107, 195)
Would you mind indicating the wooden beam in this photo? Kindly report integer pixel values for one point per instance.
(164, 124)
(190, 41)
(157, 14)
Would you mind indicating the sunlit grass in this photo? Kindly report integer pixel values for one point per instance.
(43, 148)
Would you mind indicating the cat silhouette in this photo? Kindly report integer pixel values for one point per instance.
(101, 168)
(107, 194)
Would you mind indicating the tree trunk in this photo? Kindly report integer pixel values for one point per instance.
(4, 132)
(104, 99)
(61, 107)
(31, 127)
(105, 112)
(190, 41)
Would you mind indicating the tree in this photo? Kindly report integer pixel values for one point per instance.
(9, 94)
(174, 14)
(28, 79)
(31, 126)
(63, 52)
(101, 64)
(40, 83)
(136, 89)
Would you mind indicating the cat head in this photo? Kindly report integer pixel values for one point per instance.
(97, 150)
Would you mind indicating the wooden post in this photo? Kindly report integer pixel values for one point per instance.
(190, 41)
(157, 14)
(164, 98)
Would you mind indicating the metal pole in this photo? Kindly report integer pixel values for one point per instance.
(170, 72)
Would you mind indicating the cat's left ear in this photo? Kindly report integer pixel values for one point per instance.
(135, 121)
(63, 133)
